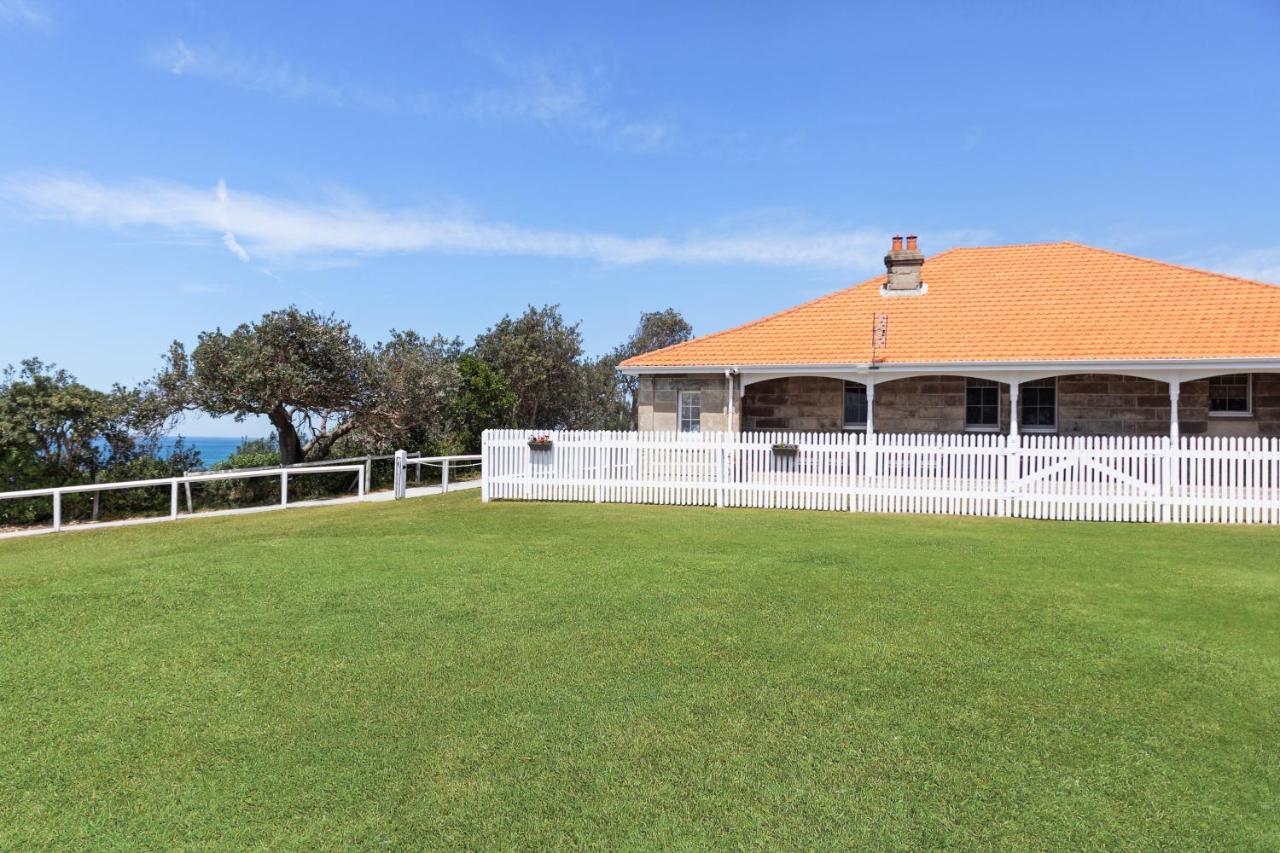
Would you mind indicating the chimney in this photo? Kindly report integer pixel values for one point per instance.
(904, 266)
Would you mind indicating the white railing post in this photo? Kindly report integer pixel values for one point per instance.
(173, 498)
(361, 485)
(444, 476)
(284, 487)
(57, 510)
(398, 476)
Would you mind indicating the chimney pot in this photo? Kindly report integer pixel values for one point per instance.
(904, 265)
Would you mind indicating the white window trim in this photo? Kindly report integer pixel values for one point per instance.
(968, 427)
(1040, 430)
(680, 395)
(1248, 400)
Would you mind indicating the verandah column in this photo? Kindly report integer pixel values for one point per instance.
(1012, 472)
(1170, 466)
(869, 461)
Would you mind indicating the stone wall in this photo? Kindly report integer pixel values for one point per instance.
(1088, 404)
(801, 403)
(657, 400)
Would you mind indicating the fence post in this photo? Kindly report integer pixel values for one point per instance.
(173, 498)
(724, 462)
(57, 510)
(368, 472)
(484, 463)
(398, 478)
(1167, 468)
(97, 496)
(1006, 464)
(284, 487)
(444, 475)
(598, 449)
(187, 487)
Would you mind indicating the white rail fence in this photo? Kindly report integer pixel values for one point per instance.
(1088, 478)
(174, 484)
(400, 481)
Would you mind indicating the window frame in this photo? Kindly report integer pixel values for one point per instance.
(853, 426)
(968, 427)
(681, 396)
(1041, 429)
(1248, 397)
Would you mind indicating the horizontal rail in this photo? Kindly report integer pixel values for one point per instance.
(203, 477)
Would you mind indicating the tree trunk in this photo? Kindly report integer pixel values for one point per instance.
(287, 436)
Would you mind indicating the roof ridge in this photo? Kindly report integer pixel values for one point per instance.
(1011, 246)
(1171, 265)
(776, 314)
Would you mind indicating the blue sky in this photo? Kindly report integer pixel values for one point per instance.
(166, 168)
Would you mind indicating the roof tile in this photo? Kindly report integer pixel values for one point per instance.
(1041, 302)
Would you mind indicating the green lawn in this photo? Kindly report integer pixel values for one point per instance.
(440, 673)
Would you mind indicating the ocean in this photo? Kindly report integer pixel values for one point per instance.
(212, 448)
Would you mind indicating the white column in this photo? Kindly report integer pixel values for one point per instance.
(1175, 390)
(1013, 408)
(871, 406)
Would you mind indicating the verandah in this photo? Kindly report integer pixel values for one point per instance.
(1131, 478)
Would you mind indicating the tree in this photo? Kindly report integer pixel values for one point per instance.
(656, 329)
(307, 373)
(414, 384)
(53, 430)
(602, 403)
(537, 354)
(484, 401)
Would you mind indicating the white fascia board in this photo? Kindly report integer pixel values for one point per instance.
(1169, 368)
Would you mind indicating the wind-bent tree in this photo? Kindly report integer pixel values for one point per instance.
(656, 329)
(307, 373)
(414, 383)
(538, 355)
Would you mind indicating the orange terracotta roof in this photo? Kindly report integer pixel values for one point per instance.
(1042, 302)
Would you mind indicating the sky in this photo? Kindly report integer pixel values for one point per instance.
(169, 168)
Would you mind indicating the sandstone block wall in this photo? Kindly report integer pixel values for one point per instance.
(1088, 404)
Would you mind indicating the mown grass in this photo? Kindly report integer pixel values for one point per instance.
(442, 673)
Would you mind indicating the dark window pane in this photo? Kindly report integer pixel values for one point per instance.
(982, 403)
(1037, 404)
(1229, 393)
(855, 404)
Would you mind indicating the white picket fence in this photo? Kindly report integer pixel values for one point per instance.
(1087, 478)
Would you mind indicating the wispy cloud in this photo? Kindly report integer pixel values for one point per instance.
(279, 78)
(253, 224)
(532, 91)
(1257, 264)
(557, 98)
(25, 13)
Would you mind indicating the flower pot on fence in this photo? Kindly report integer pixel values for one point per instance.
(786, 451)
(539, 445)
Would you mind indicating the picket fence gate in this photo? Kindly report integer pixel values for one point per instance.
(1085, 478)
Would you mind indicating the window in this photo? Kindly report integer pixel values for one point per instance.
(981, 405)
(855, 405)
(1038, 405)
(1229, 396)
(690, 405)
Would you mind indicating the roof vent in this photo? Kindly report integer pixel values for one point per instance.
(904, 266)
